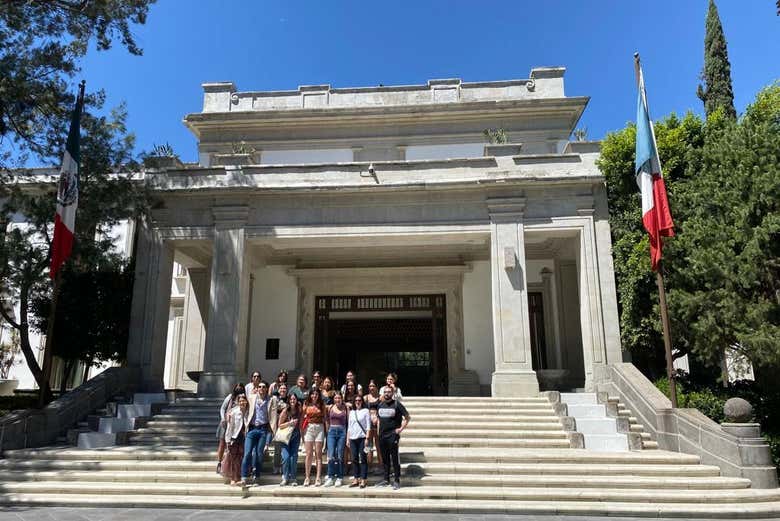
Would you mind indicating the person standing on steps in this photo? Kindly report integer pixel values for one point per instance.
(392, 418)
(252, 387)
(350, 377)
(357, 432)
(259, 433)
(276, 405)
(290, 417)
(237, 419)
(327, 390)
(391, 382)
(281, 378)
(316, 380)
(300, 389)
(372, 399)
(313, 431)
(336, 425)
(228, 403)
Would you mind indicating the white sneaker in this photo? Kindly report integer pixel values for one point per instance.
(339, 483)
(283, 483)
(328, 482)
(293, 483)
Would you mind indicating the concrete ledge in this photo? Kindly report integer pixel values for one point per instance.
(737, 449)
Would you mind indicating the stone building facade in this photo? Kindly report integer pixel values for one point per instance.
(374, 229)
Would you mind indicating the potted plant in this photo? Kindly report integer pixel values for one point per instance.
(10, 349)
(162, 156)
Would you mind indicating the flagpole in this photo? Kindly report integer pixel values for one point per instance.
(659, 277)
(45, 390)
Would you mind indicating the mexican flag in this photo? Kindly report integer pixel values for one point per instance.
(67, 192)
(656, 217)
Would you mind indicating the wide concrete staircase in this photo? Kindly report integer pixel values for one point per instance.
(459, 455)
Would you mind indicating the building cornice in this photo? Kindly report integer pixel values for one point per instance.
(570, 109)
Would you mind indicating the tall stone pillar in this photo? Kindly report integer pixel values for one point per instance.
(514, 375)
(196, 306)
(229, 290)
(150, 307)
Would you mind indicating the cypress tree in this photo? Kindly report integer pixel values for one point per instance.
(716, 91)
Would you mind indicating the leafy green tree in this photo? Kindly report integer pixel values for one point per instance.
(106, 197)
(723, 265)
(41, 43)
(92, 319)
(678, 141)
(724, 290)
(717, 90)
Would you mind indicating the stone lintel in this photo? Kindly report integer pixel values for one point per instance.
(230, 216)
(502, 209)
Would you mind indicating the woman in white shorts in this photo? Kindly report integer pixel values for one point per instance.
(313, 428)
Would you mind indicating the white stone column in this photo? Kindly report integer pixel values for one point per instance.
(150, 307)
(226, 329)
(513, 375)
(196, 303)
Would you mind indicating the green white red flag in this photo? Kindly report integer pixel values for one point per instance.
(656, 217)
(67, 192)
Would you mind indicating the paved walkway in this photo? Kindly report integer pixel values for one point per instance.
(146, 514)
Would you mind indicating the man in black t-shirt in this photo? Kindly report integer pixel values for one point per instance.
(392, 419)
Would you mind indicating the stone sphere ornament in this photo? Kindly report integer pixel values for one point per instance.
(738, 410)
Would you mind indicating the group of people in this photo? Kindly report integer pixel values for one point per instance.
(257, 416)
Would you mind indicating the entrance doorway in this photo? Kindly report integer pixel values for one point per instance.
(374, 335)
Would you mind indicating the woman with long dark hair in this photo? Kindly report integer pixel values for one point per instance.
(235, 431)
(291, 418)
(228, 403)
(313, 428)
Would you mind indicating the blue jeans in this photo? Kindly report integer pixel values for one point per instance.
(290, 456)
(254, 447)
(359, 458)
(337, 439)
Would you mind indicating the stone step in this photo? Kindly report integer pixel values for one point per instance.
(587, 411)
(522, 416)
(210, 427)
(149, 398)
(645, 495)
(133, 410)
(650, 445)
(596, 425)
(408, 452)
(423, 442)
(410, 478)
(114, 425)
(206, 468)
(394, 501)
(606, 442)
(579, 398)
(411, 432)
(93, 440)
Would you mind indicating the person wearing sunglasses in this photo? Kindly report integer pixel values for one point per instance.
(357, 432)
(254, 382)
(259, 433)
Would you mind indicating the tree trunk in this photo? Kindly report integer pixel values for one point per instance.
(24, 338)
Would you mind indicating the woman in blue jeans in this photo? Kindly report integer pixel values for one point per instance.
(290, 417)
(336, 425)
(357, 431)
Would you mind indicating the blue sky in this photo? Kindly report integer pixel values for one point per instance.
(273, 45)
